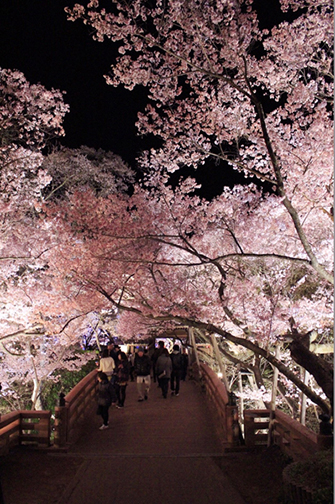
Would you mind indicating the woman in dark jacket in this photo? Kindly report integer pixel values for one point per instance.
(122, 378)
(163, 371)
(104, 397)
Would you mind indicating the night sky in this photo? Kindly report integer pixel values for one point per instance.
(36, 39)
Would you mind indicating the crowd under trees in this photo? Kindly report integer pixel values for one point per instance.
(82, 234)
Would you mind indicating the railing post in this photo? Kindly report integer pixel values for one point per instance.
(61, 426)
(273, 399)
(233, 428)
(249, 429)
(194, 350)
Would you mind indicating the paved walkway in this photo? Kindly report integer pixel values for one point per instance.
(160, 451)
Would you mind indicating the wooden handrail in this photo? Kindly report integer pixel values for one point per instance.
(24, 427)
(77, 402)
(34, 427)
(294, 439)
(226, 413)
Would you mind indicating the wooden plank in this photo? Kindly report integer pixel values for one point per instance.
(33, 438)
(30, 426)
(261, 425)
(257, 413)
(9, 418)
(9, 429)
(35, 414)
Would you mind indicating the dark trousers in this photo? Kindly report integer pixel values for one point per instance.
(104, 414)
(175, 381)
(121, 393)
(164, 385)
(154, 374)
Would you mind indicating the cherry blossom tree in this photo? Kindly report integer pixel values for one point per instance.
(221, 87)
(163, 255)
(32, 357)
(69, 169)
(30, 117)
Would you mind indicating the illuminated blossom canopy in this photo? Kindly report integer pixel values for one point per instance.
(259, 99)
(250, 266)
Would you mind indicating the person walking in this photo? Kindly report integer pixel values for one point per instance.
(106, 364)
(177, 365)
(156, 353)
(114, 351)
(105, 397)
(131, 358)
(142, 369)
(163, 371)
(121, 378)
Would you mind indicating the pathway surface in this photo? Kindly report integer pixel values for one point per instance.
(160, 451)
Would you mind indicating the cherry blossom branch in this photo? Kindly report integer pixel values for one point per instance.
(254, 347)
(38, 256)
(208, 73)
(270, 358)
(16, 333)
(68, 322)
(241, 166)
(287, 203)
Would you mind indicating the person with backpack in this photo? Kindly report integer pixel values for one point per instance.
(156, 353)
(121, 378)
(177, 367)
(163, 371)
(105, 397)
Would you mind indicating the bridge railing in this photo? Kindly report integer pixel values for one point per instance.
(294, 439)
(78, 402)
(226, 413)
(24, 427)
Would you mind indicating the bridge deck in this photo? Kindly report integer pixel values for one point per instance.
(160, 451)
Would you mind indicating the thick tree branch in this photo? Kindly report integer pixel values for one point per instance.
(255, 348)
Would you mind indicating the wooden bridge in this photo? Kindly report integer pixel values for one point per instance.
(157, 451)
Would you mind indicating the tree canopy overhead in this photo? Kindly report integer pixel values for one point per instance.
(259, 99)
(253, 267)
(220, 86)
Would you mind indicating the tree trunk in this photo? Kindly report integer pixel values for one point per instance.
(219, 361)
(318, 367)
(35, 396)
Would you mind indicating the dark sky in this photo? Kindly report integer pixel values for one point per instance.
(36, 39)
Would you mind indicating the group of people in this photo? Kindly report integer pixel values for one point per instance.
(113, 377)
(115, 369)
